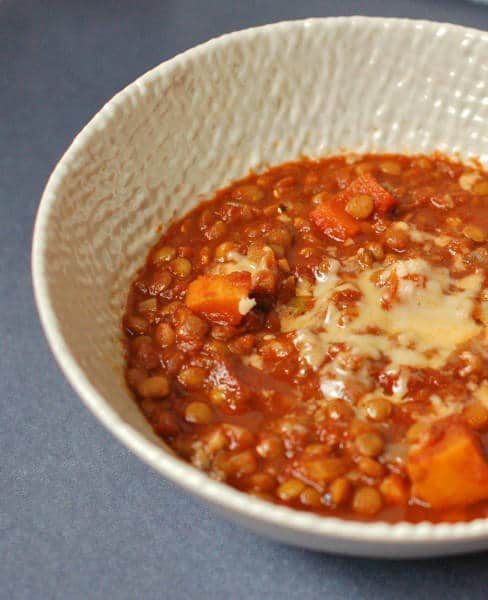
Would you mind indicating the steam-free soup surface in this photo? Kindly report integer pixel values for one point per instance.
(316, 336)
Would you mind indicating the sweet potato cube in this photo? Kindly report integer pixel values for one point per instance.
(223, 299)
(367, 185)
(452, 471)
(331, 218)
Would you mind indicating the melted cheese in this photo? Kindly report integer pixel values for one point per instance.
(240, 262)
(419, 236)
(245, 305)
(429, 319)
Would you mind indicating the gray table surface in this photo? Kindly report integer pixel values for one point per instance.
(81, 517)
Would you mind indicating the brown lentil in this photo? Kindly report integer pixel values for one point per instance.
(397, 239)
(360, 207)
(192, 378)
(480, 188)
(242, 463)
(263, 482)
(290, 490)
(378, 409)
(340, 491)
(270, 447)
(371, 467)
(136, 324)
(164, 335)
(367, 501)
(391, 167)
(475, 233)
(476, 414)
(164, 254)
(181, 267)
(369, 444)
(310, 497)
(198, 412)
(156, 386)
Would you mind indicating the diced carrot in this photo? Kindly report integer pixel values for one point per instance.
(451, 471)
(367, 185)
(331, 218)
(223, 299)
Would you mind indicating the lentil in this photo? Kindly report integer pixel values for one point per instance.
(216, 231)
(391, 167)
(475, 233)
(397, 239)
(192, 378)
(198, 412)
(378, 409)
(136, 324)
(369, 444)
(154, 387)
(338, 410)
(164, 335)
(262, 482)
(480, 188)
(242, 463)
(370, 467)
(360, 207)
(164, 254)
(340, 491)
(181, 267)
(270, 447)
(249, 193)
(367, 501)
(310, 497)
(476, 414)
(290, 490)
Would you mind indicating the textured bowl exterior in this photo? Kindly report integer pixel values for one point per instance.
(194, 124)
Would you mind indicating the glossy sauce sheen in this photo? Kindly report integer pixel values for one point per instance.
(315, 335)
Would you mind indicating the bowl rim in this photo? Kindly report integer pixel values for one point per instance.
(195, 481)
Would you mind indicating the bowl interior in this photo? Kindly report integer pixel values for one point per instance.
(207, 117)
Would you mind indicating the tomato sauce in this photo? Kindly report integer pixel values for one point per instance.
(315, 335)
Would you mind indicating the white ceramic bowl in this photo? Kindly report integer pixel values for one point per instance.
(191, 126)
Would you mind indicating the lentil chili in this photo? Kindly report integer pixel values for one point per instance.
(316, 335)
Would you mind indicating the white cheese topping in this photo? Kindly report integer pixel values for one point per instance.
(245, 305)
(411, 314)
(240, 262)
(419, 236)
(428, 319)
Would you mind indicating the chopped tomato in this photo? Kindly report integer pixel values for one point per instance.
(223, 299)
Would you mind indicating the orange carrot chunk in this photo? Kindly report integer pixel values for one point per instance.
(367, 185)
(223, 299)
(451, 471)
(332, 220)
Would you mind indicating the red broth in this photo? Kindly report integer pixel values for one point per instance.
(316, 336)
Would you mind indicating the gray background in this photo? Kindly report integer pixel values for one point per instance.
(81, 517)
